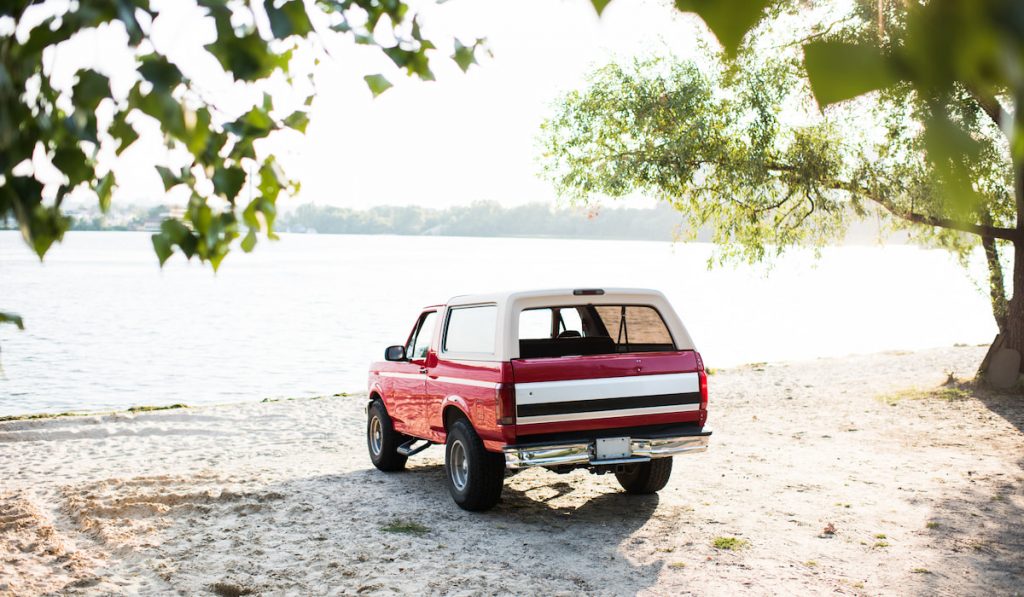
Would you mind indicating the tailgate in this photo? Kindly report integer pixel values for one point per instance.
(605, 391)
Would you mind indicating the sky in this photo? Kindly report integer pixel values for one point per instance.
(463, 138)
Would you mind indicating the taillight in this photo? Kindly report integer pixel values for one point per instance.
(703, 412)
(505, 404)
(703, 389)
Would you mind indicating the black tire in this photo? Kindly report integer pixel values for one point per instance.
(646, 477)
(384, 449)
(477, 484)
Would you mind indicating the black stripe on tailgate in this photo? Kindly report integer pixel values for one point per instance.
(583, 406)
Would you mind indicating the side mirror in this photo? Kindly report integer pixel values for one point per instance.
(394, 353)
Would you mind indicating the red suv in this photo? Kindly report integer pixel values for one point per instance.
(603, 379)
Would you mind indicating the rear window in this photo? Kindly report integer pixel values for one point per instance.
(632, 324)
(471, 329)
(546, 332)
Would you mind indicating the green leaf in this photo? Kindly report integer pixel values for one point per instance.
(599, 6)
(249, 242)
(197, 131)
(272, 180)
(289, 19)
(90, 90)
(73, 163)
(464, 56)
(104, 190)
(174, 231)
(169, 178)
(952, 150)
(163, 106)
(247, 56)
(377, 84)
(164, 76)
(297, 120)
(840, 71)
(227, 181)
(163, 248)
(122, 131)
(729, 20)
(12, 318)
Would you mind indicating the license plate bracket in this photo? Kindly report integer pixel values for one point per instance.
(609, 448)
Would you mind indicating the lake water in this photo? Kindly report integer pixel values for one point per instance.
(107, 328)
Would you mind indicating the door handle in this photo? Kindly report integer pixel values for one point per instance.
(423, 369)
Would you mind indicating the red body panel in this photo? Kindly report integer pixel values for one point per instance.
(605, 365)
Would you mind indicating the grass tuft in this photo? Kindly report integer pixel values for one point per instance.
(932, 525)
(146, 409)
(949, 393)
(730, 543)
(408, 527)
(921, 571)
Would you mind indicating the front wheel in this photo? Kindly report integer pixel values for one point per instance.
(645, 477)
(382, 440)
(475, 476)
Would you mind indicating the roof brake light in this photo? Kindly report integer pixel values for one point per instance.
(587, 291)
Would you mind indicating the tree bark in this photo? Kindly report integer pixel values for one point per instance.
(996, 281)
(1015, 308)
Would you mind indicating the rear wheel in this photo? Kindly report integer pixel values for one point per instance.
(645, 477)
(475, 476)
(382, 440)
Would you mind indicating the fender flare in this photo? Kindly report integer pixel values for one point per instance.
(455, 401)
(375, 389)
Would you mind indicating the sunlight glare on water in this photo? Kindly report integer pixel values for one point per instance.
(106, 328)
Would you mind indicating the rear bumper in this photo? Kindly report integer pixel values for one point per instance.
(584, 452)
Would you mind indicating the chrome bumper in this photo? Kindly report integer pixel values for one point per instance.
(641, 449)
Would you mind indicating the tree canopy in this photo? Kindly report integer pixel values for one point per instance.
(735, 141)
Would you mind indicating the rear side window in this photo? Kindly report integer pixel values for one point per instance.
(548, 322)
(580, 330)
(471, 329)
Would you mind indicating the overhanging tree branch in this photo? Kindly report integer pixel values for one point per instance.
(984, 231)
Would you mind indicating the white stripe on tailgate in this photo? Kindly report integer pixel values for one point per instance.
(541, 392)
(605, 414)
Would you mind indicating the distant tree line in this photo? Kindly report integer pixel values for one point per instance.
(481, 218)
(487, 218)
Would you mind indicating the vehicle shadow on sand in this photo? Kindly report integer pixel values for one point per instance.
(558, 530)
(548, 534)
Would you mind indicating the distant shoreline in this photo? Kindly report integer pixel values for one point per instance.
(856, 242)
(481, 219)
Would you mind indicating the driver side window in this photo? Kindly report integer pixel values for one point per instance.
(419, 344)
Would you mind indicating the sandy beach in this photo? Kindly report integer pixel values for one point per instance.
(858, 475)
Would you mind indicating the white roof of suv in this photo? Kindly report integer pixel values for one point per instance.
(511, 303)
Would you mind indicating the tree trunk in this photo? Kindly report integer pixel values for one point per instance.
(1015, 310)
(996, 284)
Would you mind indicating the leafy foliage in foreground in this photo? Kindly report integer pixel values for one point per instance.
(69, 125)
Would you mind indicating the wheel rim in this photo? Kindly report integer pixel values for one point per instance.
(376, 435)
(458, 465)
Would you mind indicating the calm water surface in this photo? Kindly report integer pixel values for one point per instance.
(106, 328)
